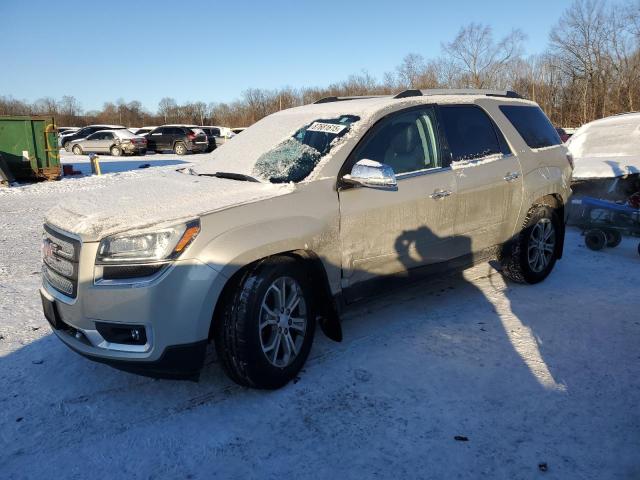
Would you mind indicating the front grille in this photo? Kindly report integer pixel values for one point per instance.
(60, 255)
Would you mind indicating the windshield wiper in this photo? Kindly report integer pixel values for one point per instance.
(230, 175)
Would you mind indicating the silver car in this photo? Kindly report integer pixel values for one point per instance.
(305, 212)
(114, 142)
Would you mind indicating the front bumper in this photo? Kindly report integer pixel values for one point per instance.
(175, 307)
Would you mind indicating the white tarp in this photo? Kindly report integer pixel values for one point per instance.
(607, 148)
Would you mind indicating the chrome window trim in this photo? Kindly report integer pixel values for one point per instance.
(420, 173)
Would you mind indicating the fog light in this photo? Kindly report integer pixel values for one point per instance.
(122, 334)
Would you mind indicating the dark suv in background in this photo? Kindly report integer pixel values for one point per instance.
(178, 138)
(212, 133)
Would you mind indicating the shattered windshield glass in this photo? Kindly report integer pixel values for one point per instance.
(295, 158)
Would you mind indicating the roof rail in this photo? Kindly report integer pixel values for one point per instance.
(344, 99)
(453, 91)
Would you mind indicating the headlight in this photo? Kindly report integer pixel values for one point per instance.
(147, 246)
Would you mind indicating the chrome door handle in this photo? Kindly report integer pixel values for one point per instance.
(511, 176)
(440, 194)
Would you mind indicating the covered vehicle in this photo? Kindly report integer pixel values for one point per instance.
(114, 142)
(607, 148)
(606, 154)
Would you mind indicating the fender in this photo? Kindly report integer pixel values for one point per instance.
(234, 249)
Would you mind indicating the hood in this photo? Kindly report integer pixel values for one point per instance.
(145, 200)
(605, 167)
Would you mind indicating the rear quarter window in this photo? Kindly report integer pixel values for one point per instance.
(471, 133)
(532, 124)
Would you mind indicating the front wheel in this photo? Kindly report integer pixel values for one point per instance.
(266, 329)
(532, 254)
(77, 150)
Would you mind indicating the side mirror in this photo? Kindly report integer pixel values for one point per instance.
(372, 174)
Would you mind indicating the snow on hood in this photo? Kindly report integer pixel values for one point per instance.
(136, 202)
(241, 154)
(607, 148)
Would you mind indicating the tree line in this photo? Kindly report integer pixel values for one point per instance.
(590, 69)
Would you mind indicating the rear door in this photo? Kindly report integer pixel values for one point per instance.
(488, 176)
(105, 142)
(389, 232)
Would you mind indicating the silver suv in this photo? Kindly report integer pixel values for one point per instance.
(307, 211)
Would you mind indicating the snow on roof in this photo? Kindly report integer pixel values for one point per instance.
(241, 155)
(606, 148)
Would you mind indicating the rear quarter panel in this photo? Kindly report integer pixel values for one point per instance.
(545, 171)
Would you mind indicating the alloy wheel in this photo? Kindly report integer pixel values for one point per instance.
(283, 321)
(542, 244)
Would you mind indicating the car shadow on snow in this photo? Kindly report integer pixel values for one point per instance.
(463, 353)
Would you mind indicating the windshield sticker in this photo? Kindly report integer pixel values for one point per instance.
(326, 127)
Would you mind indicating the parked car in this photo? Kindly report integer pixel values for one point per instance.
(114, 142)
(144, 130)
(84, 132)
(179, 138)
(251, 246)
(212, 134)
(564, 135)
(63, 130)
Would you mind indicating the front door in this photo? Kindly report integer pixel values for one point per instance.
(154, 139)
(390, 232)
(488, 176)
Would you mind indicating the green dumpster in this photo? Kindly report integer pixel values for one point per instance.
(29, 147)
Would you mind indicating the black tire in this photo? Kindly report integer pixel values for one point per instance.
(142, 152)
(614, 238)
(180, 148)
(237, 335)
(115, 151)
(515, 255)
(77, 150)
(595, 239)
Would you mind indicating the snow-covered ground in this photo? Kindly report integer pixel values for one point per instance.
(110, 164)
(529, 375)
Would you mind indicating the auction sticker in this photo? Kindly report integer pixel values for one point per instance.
(334, 128)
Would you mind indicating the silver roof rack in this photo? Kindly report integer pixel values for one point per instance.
(455, 91)
(344, 99)
(428, 92)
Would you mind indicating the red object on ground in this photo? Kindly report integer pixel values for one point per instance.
(67, 170)
(634, 200)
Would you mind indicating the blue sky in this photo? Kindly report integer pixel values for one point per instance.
(104, 50)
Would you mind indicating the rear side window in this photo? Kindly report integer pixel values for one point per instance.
(532, 124)
(470, 132)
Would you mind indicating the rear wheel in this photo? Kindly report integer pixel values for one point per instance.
(180, 148)
(595, 239)
(77, 150)
(614, 238)
(530, 257)
(266, 329)
(116, 151)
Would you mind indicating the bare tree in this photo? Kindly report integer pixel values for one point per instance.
(480, 61)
